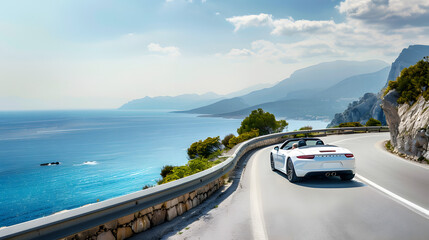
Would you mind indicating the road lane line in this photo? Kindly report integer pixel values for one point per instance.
(412, 206)
(258, 224)
(380, 145)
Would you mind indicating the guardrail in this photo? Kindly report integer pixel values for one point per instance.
(69, 222)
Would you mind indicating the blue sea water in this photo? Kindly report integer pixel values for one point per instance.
(103, 154)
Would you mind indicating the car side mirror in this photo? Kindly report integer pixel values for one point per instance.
(276, 148)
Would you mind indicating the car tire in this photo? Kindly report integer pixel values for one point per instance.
(290, 172)
(347, 177)
(272, 163)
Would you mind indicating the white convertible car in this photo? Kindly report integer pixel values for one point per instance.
(305, 157)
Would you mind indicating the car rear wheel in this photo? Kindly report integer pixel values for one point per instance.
(290, 172)
(347, 177)
(272, 163)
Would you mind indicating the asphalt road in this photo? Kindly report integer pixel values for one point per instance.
(387, 200)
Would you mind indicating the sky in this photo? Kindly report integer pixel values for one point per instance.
(80, 54)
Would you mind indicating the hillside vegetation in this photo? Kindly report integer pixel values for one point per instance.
(412, 83)
(204, 154)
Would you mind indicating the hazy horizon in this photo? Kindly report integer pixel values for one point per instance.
(102, 54)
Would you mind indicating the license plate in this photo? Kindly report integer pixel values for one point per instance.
(332, 165)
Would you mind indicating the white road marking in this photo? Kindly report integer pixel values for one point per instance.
(258, 223)
(412, 206)
(380, 145)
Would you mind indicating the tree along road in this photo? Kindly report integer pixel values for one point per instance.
(389, 199)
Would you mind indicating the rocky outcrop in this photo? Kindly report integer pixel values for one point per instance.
(408, 125)
(359, 111)
(409, 56)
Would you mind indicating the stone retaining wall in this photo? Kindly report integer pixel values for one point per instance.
(141, 221)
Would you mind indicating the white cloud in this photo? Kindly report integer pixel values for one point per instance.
(285, 26)
(396, 13)
(251, 21)
(303, 51)
(170, 51)
(239, 52)
(295, 52)
(290, 26)
(371, 29)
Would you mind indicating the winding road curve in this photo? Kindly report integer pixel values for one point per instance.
(389, 199)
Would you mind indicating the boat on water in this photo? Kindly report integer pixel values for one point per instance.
(48, 164)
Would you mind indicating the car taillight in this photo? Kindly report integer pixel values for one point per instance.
(349, 155)
(305, 156)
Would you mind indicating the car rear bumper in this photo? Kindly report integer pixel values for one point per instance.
(311, 168)
(331, 173)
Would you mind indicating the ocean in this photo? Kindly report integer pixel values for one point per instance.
(102, 154)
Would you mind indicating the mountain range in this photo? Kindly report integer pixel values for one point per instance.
(184, 101)
(315, 92)
(368, 105)
(312, 79)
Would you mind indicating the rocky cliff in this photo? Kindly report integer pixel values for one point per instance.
(408, 125)
(409, 56)
(365, 108)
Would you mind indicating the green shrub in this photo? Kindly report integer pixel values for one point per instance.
(225, 140)
(412, 83)
(350, 124)
(199, 164)
(200, 153)
(204, 149)
(193, 166)
(215, 154)
(306, 128)
(389, 146)
(177, 173)
(301, 135)
(373, 122)
(243, 137)
(265, 122)
(166, 170)
(146, 186)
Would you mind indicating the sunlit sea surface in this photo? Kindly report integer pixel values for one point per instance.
(102, 154)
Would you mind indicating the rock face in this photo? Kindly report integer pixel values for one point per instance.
(359, 111)
(409, 56)
(408, 125)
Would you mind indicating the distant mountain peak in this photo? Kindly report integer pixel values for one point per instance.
(186, 101)
(408, 56)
